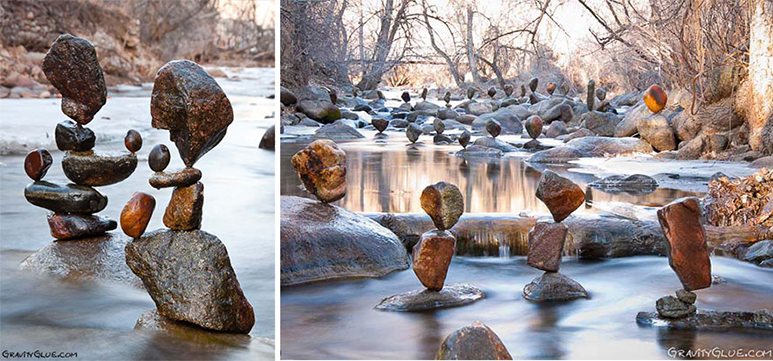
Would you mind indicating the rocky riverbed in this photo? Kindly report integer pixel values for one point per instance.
(37, 310)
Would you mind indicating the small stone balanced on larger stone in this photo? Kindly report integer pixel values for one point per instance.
(432, 256)
(321, 166)
(546, 241)
(71, 65)
(186, 271)
(688, 255)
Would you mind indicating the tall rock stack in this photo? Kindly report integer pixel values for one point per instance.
(432, 256)
(187, 271)
(546, 241)
(72, 67)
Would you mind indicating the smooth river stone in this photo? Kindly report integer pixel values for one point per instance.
(464, 139)
(380, 124)
(185, 208)
(68, 226)
(181, 178)
(268, 141)
(444, 203)
(553, 286)
(413, 131)
(711, 320)
(432, 257)
(493, 127)
(546, 244)
(72, 67)
(534, 126)
(69, 198)
(189, 277)
(70, 135)
(136, 214)
(192, 106)
(159, 158)
(423, 300)
(406, 97)
(474, 342)
(91, 169)
(687, 252)
(673, 307)
(133, 140)
(439, 126)
(36, 163)
(560, 195)
(321, 166)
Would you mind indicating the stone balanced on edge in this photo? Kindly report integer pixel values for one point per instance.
(186, 271)
(71, 65)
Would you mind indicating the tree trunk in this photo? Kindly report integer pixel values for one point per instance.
(372, 76)
(761, 77)
(472, 58)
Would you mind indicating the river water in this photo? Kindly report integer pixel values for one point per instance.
(336, 319)
(97, 319)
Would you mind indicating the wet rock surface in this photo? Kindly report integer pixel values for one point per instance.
(711, 320)
(136, 214)
(321, 242)
(432, 257)
(159, 158)
(633, 184)
(72, 67)
(192, 106)
(68, 198)
(688, 254)
(268, 141)
(185, 208)
(91, 258)
(70, 135)
(151, 321)
(475, 342)
(321, 166)
(424, 300)
(560, 195)
(92, 169)
(493, 143)
(673, 307)
(553, 286)
(546, 245)
(190, 278)
(37, 163)
(68, 226)
(181, 178)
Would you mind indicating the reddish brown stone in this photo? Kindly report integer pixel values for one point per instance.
(181, 178)
(655, 98)
(432, 257)
(69, 226)
(380, 124)
(493, 127)
(560, 194)
(546, 244)
(136, 214)
(444, 203)
(185, 208)
(133, 140)
(475, 342)
(36, 163)
(534, 126)
(688, 254)
(321, 166)
(551, 87)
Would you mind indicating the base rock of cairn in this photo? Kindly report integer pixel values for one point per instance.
(710, 320)
(553, 286)
(423, 300)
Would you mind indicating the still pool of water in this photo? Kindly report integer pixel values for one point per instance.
(336, 320)
(97, 319)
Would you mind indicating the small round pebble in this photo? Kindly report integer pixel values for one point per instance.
(159, 157)
(133, 140)
(36, 163)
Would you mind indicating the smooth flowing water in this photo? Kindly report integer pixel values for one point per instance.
(336, 320)
(97, 319)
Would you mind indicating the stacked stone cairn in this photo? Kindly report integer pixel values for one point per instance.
(440, 138)
(406, 106)
(186, 271)
(432, 256)
(546, 241)
(71, 65)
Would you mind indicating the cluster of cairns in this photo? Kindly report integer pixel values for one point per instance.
(71, 66)
(186, 271)
(546, 241)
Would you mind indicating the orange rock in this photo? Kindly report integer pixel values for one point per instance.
(185, 208)
(321, 166)
(136, 214)
(551, 87)
(688, 254)
(432, 257)
(655, 98)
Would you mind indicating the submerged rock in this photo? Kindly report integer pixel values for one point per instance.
(688, 254)
(92, 258)
(189, 277)
(711, 320)
(474, 342)
(91, 169)
(423, 300)
(553, 286)
(192, 106)
(68, 226)
(321, 166)
(69, 198)
(70, 135)
(321, 241)
(72, 67)
(151, 321)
